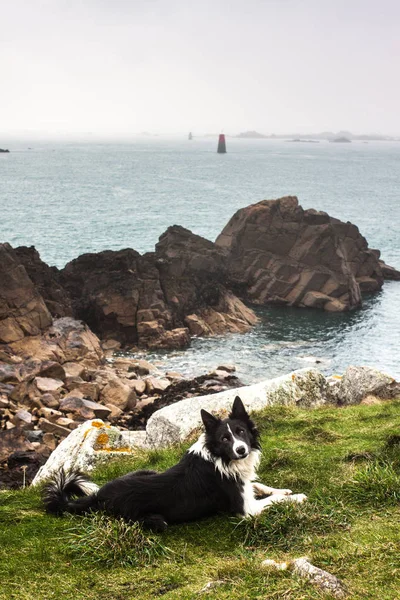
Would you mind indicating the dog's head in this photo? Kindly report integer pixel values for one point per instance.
(232, 438)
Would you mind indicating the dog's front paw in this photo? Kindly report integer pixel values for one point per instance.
(283, 492)
(298, 498)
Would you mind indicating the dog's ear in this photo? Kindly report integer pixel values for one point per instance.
(238, 410)
(210, 422)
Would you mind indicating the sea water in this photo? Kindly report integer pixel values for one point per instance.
(67, 198)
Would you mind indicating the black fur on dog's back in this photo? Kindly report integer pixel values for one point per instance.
(206, 481)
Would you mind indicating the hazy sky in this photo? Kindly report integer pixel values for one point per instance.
(169, 66)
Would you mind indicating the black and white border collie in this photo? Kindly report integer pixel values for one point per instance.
(216, 475)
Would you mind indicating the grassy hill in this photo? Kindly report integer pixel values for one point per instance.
(346, 460)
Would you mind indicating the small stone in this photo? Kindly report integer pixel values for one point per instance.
(50, 427)
(228, 368)
(22, 419)
(49, 441)
(173, 375)
(115, 412)
(74, 370)
(49, 413)
(52, 370)
(50, 401)
(66, 422)
(48, 384)
(4, 402)
(35, 435)
(111, 345)
(141, 367)
(139, 385)
(156, 385)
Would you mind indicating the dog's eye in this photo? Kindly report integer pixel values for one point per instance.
(240, 431)
(226, 438)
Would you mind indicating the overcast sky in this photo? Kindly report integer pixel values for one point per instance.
(125, 66)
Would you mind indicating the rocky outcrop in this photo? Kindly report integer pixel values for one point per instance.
(117, 293)
(270, 252)
(156, 300)
(193, 276)
(22, 309)
(280, 253)
(47, 282)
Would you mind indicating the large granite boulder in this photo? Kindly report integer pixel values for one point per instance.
(280, 253)
(176, 422)
(85, 446)
(22, 309)
(359, 383)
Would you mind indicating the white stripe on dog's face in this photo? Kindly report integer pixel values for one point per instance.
(240, 448)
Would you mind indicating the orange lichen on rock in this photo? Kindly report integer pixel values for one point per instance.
(100, 425)
(102, 439)
(122, 449)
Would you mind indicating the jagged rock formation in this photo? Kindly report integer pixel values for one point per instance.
(270, 252)
(47, 282)
(22, 309)
(193, 276)
(118, 294)
(280, 253)
(156, 299)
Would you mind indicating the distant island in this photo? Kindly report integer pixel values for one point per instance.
(341, 140)
(305, 141)
(252, 135)
(2, 150)
(338, 137)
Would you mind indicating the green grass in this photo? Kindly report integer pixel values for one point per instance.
(346, 460)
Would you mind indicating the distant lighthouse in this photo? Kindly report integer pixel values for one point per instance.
(221, 144)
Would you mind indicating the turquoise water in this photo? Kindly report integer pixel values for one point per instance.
(70, 198)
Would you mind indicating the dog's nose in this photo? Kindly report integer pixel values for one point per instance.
(241, 450)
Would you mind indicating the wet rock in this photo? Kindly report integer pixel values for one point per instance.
(277, 252)
(142, 367)
(228, 368)
(388, 272)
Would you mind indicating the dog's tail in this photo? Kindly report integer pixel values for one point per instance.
(69, 492)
